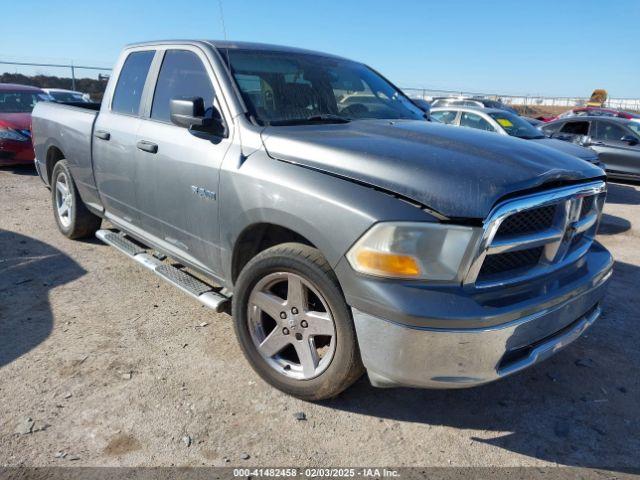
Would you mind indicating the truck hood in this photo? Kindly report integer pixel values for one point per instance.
(458, 172)
(568, 147)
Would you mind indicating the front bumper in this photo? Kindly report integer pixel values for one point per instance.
(400, 354)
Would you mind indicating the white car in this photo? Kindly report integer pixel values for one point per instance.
(62, 95)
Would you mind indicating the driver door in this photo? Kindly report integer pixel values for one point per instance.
(617, 155)
(178, 178)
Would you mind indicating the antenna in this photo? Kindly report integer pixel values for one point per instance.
(224, 30)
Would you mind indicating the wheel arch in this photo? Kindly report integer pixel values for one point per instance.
(53, 156)
(256, 238)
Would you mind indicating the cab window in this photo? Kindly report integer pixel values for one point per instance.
(128, 92)
(182, 75)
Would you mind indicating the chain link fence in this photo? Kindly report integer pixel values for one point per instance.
(632, 104)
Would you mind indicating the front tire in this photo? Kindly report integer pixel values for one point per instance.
(294, 325)
(74, 219)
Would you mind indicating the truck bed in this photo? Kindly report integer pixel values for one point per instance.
(66, 128)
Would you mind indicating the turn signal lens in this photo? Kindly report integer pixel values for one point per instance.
(384, 263)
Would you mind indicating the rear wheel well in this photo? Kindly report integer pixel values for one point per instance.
(54, 155)
(259, 237)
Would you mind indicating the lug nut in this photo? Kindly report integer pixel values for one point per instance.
(298, 336)
(285, 331)
(294, 310)
(283, 315)
(304, 324)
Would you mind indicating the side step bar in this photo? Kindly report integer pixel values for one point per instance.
(187, 283)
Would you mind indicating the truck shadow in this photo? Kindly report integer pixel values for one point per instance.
(613, 225)
(623, 193)
(579, 408)
(28, 270)
(27, 170)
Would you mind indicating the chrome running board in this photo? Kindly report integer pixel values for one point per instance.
(201, 291)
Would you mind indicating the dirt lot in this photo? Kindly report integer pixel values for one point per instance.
(114, 368)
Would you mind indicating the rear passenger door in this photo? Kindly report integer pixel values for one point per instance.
(114, 142)
(178, 182)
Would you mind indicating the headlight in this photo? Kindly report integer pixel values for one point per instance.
(6, 134)
(431, 251)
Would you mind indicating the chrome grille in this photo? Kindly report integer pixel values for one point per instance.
(527, 221)
(533, 235)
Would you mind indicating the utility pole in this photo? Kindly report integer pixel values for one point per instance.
(73, 76)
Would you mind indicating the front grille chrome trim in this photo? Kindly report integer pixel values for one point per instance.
(558, 240)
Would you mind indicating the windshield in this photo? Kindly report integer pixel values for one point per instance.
(19, 102)
(285, 88)
(67, 96)
(516, 126)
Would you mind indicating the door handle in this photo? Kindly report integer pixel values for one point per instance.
(598, 144)
(102, 135)
(147, 146)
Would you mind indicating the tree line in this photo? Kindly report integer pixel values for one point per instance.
(92, 86)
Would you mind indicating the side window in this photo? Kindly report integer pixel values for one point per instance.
(182, 75)
(473, 120)
(128, 92)
(608, 132)
(551, 128)
(445, 116)
(575, 128)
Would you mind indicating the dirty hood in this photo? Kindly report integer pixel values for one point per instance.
(458, 172)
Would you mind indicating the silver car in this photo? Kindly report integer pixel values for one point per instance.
(507, 123)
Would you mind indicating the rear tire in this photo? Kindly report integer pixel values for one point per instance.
(74, 219)
(305, 344)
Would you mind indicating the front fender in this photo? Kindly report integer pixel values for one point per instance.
(330, 212)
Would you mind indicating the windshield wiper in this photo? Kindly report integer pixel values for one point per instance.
(328, 117)
(319, 118)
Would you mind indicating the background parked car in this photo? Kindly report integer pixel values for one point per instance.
(61, 95)
(591, 112)
(534, 121)
(506, 123)
(424, 106)
(471, 102)
(617, 141)
(16, 104)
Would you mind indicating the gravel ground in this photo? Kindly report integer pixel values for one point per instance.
(102, 364)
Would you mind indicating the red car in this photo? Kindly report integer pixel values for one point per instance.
(591, 111)
(16, 104)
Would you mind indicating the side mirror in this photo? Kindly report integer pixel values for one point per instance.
(190, 113)
(630, 139)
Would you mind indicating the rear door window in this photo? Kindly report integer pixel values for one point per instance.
(445, 116)
(575, 128)
(182, 75)
(128, 92)
(473, 120)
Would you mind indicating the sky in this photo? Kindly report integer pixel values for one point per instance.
(546, 47)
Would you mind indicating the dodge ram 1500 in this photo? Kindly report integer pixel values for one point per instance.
(308, 196)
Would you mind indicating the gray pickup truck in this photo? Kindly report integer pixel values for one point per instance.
(308, 196)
